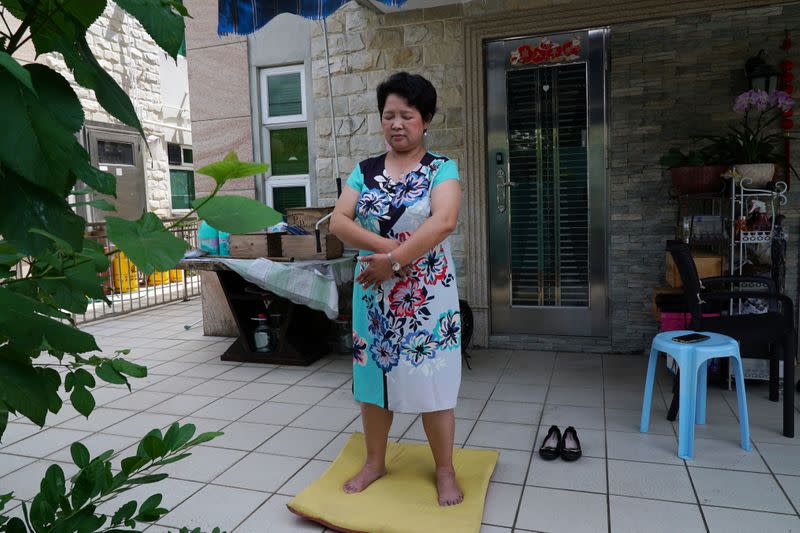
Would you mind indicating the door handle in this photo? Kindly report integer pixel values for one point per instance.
(503, 186)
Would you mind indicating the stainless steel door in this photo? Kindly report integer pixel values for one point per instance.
(119, 152)
(546, 105)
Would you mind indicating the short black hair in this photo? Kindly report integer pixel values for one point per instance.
(418, 92)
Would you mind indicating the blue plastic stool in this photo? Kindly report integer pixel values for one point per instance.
(693, 362)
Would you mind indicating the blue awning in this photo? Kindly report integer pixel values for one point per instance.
(242, 17)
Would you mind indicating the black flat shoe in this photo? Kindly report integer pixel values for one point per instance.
(570, 445)
(551, 445)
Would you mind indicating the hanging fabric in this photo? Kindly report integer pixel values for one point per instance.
(242, 17)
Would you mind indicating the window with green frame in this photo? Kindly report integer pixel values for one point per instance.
(284, 92)
(284, 198)
(288, 151)
(182, 187)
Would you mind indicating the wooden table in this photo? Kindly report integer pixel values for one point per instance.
(303, 332)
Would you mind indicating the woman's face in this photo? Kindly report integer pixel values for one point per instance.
(403, 126)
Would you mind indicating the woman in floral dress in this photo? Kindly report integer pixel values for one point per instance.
(399, 209)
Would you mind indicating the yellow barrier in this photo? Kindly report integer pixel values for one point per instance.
(176, 274)
(157, 278)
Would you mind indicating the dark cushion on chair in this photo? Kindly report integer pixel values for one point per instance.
(764, 327)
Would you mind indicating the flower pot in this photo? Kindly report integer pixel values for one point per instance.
(759, 174)
(698, 179)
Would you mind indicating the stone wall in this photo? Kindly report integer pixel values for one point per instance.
(125, 50)
(670, 78)
(365, 48)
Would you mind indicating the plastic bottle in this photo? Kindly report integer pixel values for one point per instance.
(224, 243)
(261, 335)
(208, 238)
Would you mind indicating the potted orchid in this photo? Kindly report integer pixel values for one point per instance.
(752, 144)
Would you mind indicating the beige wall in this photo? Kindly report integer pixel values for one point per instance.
(220, 96)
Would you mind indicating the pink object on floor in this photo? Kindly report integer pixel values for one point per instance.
(676, 321)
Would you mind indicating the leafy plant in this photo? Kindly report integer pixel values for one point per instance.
(75, 505)
(676, 158)
(42, 166)
(753, 139)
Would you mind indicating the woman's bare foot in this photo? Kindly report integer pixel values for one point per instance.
(364, 479)
(449, 491)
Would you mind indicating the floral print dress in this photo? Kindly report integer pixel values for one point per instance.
(406, 332)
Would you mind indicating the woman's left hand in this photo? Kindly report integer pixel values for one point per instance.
(377, 270)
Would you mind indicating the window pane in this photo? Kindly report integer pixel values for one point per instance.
(285, 197)
(284, 95)
(288, 151)
(182, 185)
(188, 156)
(174, 154)
(114, 153)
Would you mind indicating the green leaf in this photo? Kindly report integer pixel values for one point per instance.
(124, 513)
(132, 464)
(61, 244)
(28, 390)
(53, 486)
(152, 447)
(15, 69)
(90, 74)
(231, 168)
(146, 480)
(106, 372)
(236, 214)
(94, 250)
(36, 143)
(173, 459)
(24, 206)
(28, 326)
(146, 242)
(185, 434)
(82, 400)
(3, 426)
(129, 369)
(99, 203)
(102, 182)
(164, 24)
(80, 454)
(204, 437)
(16, 525)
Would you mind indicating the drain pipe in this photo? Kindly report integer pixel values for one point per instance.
(337, 176)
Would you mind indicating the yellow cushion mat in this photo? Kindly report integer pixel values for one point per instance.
(403, 501)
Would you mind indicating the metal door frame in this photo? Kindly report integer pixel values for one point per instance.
(115, 133)
(505, 318)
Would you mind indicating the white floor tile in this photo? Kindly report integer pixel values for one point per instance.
(781, 459)
(325, 379)
(502, 435)
(275, 413)
(176, 384)
(227, 409)
(246, 436)
(98, 420)
(216, 387)
(274, 517)
(578, 417)
(501, 504)
(214, 506)
(642, 447)
(634, 515)
(329, 418)
(257, 391)
(181, 405)
(727, 454)
(304, 477)
(284, 376)
(10, 463)
(205, 464)
(738, 521)
(557, 511)
(46, 442)
(475, 389)
(140, 400)
(650, 480)
(588, 474)
(97, 444)
(25, 482)
(742, 490)
(302, 395)
(244, 373)
(260, 471)
(463, 428)
(576, 396)
(140, 425)
(297, 442)
(512, 392)
(512, 412)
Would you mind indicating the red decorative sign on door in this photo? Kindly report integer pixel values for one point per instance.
(547, 52)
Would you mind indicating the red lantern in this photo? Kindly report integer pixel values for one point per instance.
(787, 124)
(788, 89)
(787, 64)
(788, 112)
(788, 77)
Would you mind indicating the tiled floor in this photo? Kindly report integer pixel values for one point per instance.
(284, 425)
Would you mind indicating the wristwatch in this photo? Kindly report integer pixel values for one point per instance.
(395, 265)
